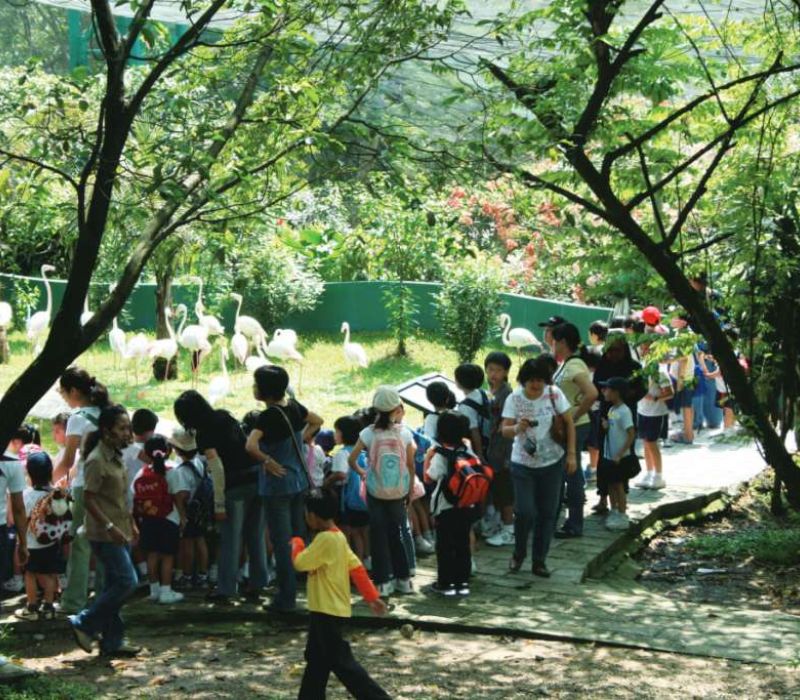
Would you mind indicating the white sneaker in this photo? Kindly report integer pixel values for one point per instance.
(167, 596)
(14, 585)
(619, 523)
(386, 589)
(404, 586)
(422, 545)
(503, 538)
(646, 481)
(155, 592)
(657, 482)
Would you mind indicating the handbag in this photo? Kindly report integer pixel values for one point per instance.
(300, 455)
(558, 428)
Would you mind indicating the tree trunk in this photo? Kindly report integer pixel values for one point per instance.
(163, 300)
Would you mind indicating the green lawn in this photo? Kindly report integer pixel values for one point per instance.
(329, 387)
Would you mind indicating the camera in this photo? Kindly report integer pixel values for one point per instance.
(530, 446)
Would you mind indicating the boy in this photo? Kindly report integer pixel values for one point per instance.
(475, 406)
(652, 412)
(620, 434)
(331, 565)
(498, 454)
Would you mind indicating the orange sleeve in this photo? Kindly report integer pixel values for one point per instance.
(297, 546)
(363, 582)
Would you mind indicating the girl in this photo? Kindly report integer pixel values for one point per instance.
(87, 397)
(537, 460)
(154, 490)
(390, 477)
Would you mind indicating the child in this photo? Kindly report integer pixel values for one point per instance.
(159, 522)
(331, 566)
(453, 553)
(315, 457)
(442, 399)
(620, 435)
(59, 435)
(390, 477)
(682, 371)
(194, 500)
(475, 406)
(498, 453)
(143, 424)
(354, 514)
(45, 561)
(652, 412)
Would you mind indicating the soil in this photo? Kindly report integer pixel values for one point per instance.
(670, 566)
(427, 665)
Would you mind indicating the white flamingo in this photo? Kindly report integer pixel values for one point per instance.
(239, 343)
(38, 324)
(6, 314)
(283, 347)
(220, 386)
(209, 322)
(195, 339)
(253, 362)
(354, 353)
(165, 348)
(116, 336)
(247, 325)
(517, 338)
(86, 315)
(136, 349)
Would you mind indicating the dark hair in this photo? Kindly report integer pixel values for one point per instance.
(271, 382)
(349, 427)
(440, 396)
(498, 358)
(569, 333)
(323, 503)
(366, 416)
(325, 439)
(600, 329)
(469, 376)
(60, 418)
(157, 449)
(77, 378)
(40, 469)
(143, 421)
(537, 368)
(193, 411)
(383, 420)
(617, 322)
(28, 434)
(105, 421)
(451, 428)
(592, 357)
(250, 420)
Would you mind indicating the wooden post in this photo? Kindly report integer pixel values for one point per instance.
(4, 351)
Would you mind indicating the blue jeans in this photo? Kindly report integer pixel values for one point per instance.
(536, 498)
(286, 519)
(244, 519)
(102, 616)
(575, 485)
(386, 522)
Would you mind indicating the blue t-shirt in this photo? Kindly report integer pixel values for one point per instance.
(620, 419)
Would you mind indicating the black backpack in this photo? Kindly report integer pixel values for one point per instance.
(484, 411)
(200, 507)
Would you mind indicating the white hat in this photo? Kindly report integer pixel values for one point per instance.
(386, 399)
(183, 439)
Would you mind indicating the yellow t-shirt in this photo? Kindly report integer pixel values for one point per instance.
(565, 379)
(328, 561)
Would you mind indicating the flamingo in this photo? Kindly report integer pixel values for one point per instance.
(86, 316)
(195, 339)
(38, 324)
(220, 386)
(253, 362)
(247, 325)
(165, 348)
(6, 314)
(239, 343)
(283, 347)
(516, 337)
(116, 336)
(207, 321)
(137, 348)
(354, 353)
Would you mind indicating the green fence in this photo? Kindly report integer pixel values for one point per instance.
(359, 303)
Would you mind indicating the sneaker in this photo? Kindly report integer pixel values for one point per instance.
(646, 481)
(590, 476)
(430, 536)
(126, 651)
(666, 444)
(29, 612)
(446, 591)
(462, 589)
(167, 596)
(82, 639)
(503, 538)
(422, 545)
(618, 523)
(680, 439)
(490, 529)
(200, 581)
(14, 585)
(155, 592)
(386, 589)
(183, 582)
(658, 482)
(404, 586)
(47, 612)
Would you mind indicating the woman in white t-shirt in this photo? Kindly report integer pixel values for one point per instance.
(86, 396)
(537, 461)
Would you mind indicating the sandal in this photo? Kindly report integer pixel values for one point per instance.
(513, 565)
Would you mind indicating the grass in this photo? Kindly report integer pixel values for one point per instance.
(328, 387)
(773, 545)
(46, 688)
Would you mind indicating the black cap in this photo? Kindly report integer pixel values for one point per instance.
(618, 383)
(552, 322)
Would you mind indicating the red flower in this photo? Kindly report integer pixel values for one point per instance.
(511, 244)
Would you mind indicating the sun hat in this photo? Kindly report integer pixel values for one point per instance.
(552, 322)
(386, 399)
(617, 383)
(651, 316)
(183, 439)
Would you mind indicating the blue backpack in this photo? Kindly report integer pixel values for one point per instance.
(353, 492)
(423, 445)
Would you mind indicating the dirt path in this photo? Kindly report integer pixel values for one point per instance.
(426, 666)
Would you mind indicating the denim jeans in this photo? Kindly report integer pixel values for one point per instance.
(286, 519)
(574, 484)
(386, 522)
(102, 616)
(536, 497)
(244, 519)
(408, 543)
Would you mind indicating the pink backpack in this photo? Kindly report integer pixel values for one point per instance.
(388, 477)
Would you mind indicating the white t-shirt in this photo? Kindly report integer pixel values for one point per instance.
(187, 476)
(540, 413)
(31, 497)
(315, 458)
(131, 460)
(175, 483)
(339, 464)
(12, 480)
(430, 426)
(657, 408)
(437, 471)
(476, 421)
(79, 424)
(620, 420)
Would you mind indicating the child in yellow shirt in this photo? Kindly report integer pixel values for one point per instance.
(331, 565)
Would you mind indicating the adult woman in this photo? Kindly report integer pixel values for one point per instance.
(276, 442)
(110, 530)
(220, 438)
(537, 460)
(87, 397)
(574, 380)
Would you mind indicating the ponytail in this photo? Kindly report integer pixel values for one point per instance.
(87, 385)
(383, 421)
(157, 449)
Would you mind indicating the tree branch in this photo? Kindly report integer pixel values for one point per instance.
(136, 26)
(656, 211)
(706, 244)
(40, 164)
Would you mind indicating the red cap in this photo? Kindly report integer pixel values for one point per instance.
(651, 316)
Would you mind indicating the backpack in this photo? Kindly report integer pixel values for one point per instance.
(468, 479)
(51, 519)
(88, 415)
(387, 476)
(151, 496)
(200, 505)
(354, 495)
(484, 411)
(423, 445)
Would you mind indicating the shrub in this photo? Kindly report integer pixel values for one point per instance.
(468, 304)
(402, 315)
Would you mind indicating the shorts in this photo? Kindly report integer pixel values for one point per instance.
(683, 399)
(595, 439)
(651, 428)
(726, 401)
(502, 488)
(46, 560)
(192, 531)
(158, 535)
(355, 518)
